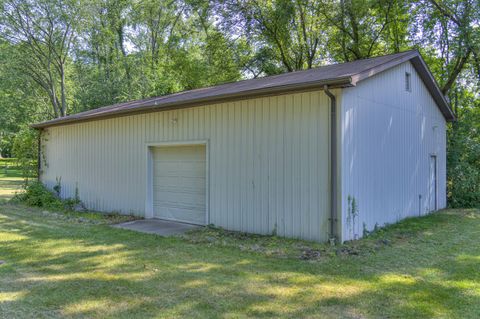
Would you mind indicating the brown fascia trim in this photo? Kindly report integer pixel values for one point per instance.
(383, 67)
(279, 90)
(424, 72)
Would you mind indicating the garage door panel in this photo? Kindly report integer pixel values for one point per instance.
(179, 205)
(189, 173)
(187, 153)
(183, 214)
(185, 198)
(179, 183)
(175, 169)
(177, 189)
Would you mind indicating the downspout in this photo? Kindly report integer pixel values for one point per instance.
(333, 166)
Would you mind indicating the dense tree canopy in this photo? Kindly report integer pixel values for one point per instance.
(62, 57)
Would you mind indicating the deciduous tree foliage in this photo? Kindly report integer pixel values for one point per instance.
(43, 30)
(62, 57)
(464, 153)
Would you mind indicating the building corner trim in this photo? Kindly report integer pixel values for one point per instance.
(39, 155)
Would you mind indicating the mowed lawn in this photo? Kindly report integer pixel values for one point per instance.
(10, 178)
(68, 267)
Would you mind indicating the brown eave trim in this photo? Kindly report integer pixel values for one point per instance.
(382, 67)
(285, 89)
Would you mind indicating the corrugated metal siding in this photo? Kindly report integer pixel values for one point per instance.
(388, 135)
(268, 161)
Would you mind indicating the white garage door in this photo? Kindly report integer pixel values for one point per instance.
(179, 183)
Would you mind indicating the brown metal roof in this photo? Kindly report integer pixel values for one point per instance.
(335, 75)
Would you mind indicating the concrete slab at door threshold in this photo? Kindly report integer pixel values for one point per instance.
(157, 226)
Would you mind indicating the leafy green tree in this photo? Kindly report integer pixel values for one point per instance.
(25, 149)
(20, 103)
(44, 30)
(62, 57)
(291, 34)
(451, 29)
(366, 28)
(464, 153)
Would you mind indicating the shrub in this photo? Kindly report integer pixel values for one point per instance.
(25, 149)
(72, 203)
(464, 185)
(36, 194)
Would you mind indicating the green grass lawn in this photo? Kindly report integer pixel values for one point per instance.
(68, 267)
(11, 180)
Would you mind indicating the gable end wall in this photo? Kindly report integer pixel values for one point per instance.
(388, 135)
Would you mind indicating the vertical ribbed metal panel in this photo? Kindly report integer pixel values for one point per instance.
(388, 136)
(268, 161)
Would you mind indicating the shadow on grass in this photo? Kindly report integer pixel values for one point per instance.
(9, 186)
(59, 269)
